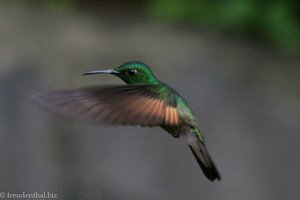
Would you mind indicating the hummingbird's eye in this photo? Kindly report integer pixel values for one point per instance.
(131, 72)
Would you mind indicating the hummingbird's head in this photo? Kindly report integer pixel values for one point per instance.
(134, 72)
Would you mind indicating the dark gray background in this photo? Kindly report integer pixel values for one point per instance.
(245, 95)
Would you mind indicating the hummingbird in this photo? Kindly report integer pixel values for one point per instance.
(143, 101)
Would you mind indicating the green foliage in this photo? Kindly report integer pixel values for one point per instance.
(60, 6)
(277, 21)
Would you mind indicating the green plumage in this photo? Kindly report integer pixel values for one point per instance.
(144, 101)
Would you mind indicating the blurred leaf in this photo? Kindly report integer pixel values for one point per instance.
(281, 27)
(170, 9)
(60, 5)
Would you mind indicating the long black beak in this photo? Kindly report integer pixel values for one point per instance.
(106, 71)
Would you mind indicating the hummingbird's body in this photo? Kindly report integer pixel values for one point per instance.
(144, 101)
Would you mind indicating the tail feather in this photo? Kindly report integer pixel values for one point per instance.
(203, 158)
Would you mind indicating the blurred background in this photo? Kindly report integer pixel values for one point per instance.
(235, 62)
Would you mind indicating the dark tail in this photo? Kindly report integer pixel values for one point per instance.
(202, 156)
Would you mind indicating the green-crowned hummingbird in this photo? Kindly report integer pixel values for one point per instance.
(144, 101)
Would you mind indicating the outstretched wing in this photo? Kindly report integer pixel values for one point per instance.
(119, 105)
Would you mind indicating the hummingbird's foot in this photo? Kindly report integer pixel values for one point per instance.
(176, 135)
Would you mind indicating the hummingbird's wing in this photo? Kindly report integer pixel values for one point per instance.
(117, 105)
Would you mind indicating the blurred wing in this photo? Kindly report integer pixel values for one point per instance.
(123, 105)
